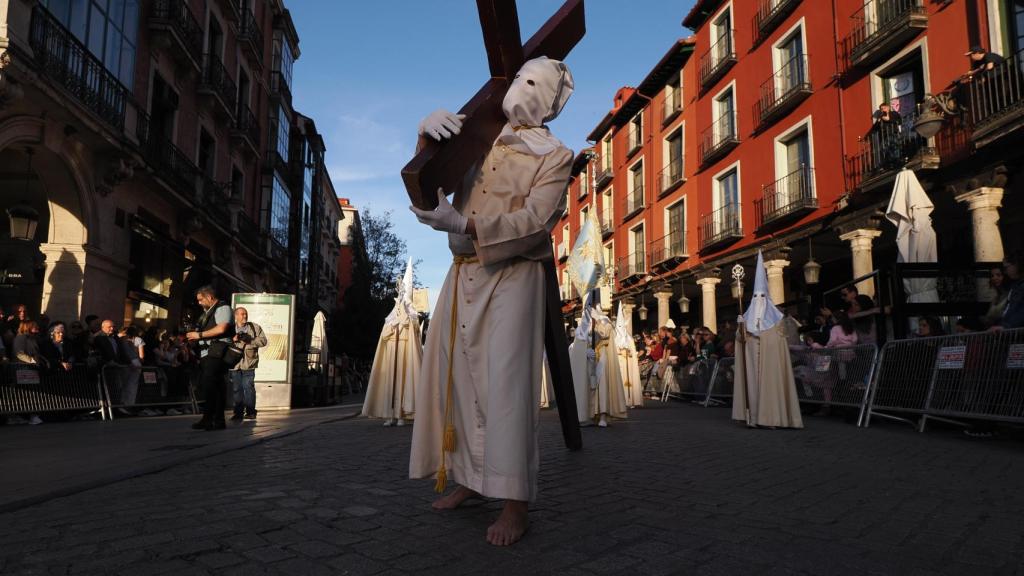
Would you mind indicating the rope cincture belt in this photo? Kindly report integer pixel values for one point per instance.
(448, 439)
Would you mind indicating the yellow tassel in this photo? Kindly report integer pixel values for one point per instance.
(442, 480)
(448, 444)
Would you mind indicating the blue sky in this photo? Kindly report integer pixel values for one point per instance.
(370, 70)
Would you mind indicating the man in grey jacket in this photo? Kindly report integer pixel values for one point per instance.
(243, 376)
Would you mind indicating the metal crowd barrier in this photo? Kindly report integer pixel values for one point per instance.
(973, 376)
(834, 376)
(720, 389)
(30, 389)
(693, 380)
(146, 386)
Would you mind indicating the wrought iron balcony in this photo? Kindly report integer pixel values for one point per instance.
(169, 163)
(216, 82)
(604, 176)
(632, 267)
(174, 26)
(669, 250)
(880, 27)
(783, 91)
(278, 249)
(279, 88)
(635, 201)
(718, 139)
(215, 200)
(671, 176)
(771, 13)
(787, 198)
(721, 226)
(246, 129)
(885, 150)
(250, 35)
(67, 62)
(607, 223)
(717, 60)
(673, 106)
(996, 103)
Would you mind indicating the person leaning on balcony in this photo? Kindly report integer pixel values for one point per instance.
(982, 62)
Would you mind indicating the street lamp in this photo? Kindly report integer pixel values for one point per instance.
(683, 301)
(812, 270)
(642, 310)
(935, 108)
(23, 222)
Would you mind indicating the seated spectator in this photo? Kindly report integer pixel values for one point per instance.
(729, 349)
(998, 282)
(167, 353)
(843, 333)
(57, 351)
(929, 326)
(1013, 314)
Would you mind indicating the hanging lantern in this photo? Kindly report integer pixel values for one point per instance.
(642, 310)
(684, 303)
(812, 270)
(23, 222)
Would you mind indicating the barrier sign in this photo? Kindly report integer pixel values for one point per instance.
(26, 376)
(1015, 356)
(951, 357)
(149, 377)
(822, 363)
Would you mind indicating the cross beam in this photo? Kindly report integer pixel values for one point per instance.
(445, 164)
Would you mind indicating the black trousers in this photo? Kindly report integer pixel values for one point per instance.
(212, 381)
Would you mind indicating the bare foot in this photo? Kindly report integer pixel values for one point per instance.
(510, 526)
(453, 500)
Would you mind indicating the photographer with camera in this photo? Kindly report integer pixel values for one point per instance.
(214, 335)
(250, 337)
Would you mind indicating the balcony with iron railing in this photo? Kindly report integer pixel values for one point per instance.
(174, 26)
(720, 227)
(673, 106)
(717, 60)
(881, 27)
(67, 62)
(217, 84)
(245, 129)
(718, 139)
(169, 163)
(885, 150)
(631, 268)
(996, 102)
(783, 91)
(635, 140)
(669, 250)
(634, 201)
(788, 198)
(250, 36)
(771, 13)
(607, 222)
(279, 88)
(671, 177)
(604, 175)
(215, 200)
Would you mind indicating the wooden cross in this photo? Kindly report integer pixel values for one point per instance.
(445, 164)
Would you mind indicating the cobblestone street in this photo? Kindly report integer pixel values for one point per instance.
(677, 489)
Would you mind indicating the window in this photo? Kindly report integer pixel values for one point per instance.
(673, 172)
(609, 260)
(725, 116)
(585, 181)
(584, 212)
(107, 30)
(797, 152)
(1014, 14)
(637, 264)
(606, 153)
(237, 185)
(207, 153)
(636, 187)
(728, 189)
(283, 133)
(607, 212)
(673, 97)
(726, 202)
(280, 209)
(636, 130)
(789, 54)
(243, 91)
(283, 59)
(721, 36)
(676, 216)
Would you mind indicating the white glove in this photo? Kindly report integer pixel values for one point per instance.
(441, 124)
(444, 218)
(591, 355)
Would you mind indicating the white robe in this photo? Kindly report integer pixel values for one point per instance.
(580, 377)
(391, 391)
(764, 390)
(629, 366)
(515, 200)
(547, 391)
(608, 396)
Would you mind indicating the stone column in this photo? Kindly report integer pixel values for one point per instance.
(707, 300)
(664, 301)
(776, 283)
(626, 308)
(860, 245)
(984, 204)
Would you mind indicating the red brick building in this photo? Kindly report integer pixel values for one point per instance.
(776, 150)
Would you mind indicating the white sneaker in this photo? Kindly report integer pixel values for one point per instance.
(389, 422)
(35, 420)
(603, 423)
(401, 422)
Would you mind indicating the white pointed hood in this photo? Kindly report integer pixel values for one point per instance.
(535, 97)
(623, 339)
(762, 314)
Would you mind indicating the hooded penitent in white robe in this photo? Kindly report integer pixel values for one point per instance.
(580, 366)
(764, 390)
(629, 364)
(608, 395)
(488, 325)
(391, 391)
